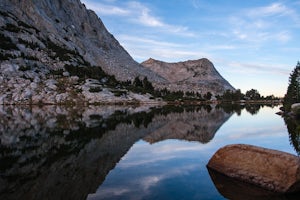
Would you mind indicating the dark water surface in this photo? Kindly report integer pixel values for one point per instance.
(115, 152)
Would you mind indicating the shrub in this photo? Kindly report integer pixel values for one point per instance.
(119, 93)
(95, 89)
(12, 28)
(7, 43)
(57, 72)
(24, 68)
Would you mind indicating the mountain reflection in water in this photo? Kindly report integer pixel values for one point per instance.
(53, 152)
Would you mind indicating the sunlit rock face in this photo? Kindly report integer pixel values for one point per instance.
(269, 169)
(193, 75)
(46, 151)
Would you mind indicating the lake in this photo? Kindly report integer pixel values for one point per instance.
(126, 152)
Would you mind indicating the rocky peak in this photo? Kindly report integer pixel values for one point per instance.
(69, 25)
(192, 75)
(150, 61)
(49, 48)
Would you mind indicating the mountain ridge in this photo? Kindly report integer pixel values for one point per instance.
(58, 52)
(69, 23)
(193, 75)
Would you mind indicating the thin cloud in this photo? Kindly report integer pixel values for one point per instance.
(149, 20)
(196, 4)
(259, 68)
(142, 48)
(147, 41)
(221, 47)
(137, 13)
(143, 16)
(275, 9)
(105, 9)
(260, 24)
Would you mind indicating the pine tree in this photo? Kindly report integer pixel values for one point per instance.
(137, 82)
(147, 85)
(253, 94)
(293, 91)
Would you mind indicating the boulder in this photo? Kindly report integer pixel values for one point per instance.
(295, 105)
(295, 109)
(269, 169)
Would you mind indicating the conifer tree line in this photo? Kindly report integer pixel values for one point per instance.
(293, 91)
(144, 86)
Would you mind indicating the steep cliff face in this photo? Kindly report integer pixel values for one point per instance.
(68, 25)
(193, 75)
(57, 51)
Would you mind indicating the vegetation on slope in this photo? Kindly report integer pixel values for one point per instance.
(293, 91)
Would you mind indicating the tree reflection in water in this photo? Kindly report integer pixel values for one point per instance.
(293, 127)
(46, 151)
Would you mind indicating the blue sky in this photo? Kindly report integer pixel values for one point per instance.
(253, 44)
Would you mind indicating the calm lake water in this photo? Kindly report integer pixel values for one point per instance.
(116, 152)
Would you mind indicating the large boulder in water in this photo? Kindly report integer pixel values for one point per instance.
(269, 169)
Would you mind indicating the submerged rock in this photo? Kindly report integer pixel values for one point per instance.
(269, 169)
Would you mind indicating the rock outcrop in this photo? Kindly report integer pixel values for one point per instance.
(50, 47)
(269, 169)
(193, 75)
(39, 26)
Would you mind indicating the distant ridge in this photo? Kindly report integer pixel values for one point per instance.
(192, 75)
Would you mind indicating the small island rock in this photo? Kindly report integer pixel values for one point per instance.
(269, 169)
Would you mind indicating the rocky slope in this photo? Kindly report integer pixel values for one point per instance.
(193, 75)
(69, 25)
(57, 52)
(45, 44)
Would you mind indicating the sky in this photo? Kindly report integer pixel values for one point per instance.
(253, 44)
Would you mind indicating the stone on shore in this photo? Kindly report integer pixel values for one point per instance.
(269, 169)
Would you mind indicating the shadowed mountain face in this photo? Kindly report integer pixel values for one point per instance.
(50, 150)
(48, 44)
(52, 33)
(193, 75)
(51, 49)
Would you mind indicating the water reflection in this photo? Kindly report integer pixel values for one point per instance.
(48, 151)
(293, 127)
(191, 125)
(232, 188)
(251, 108)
